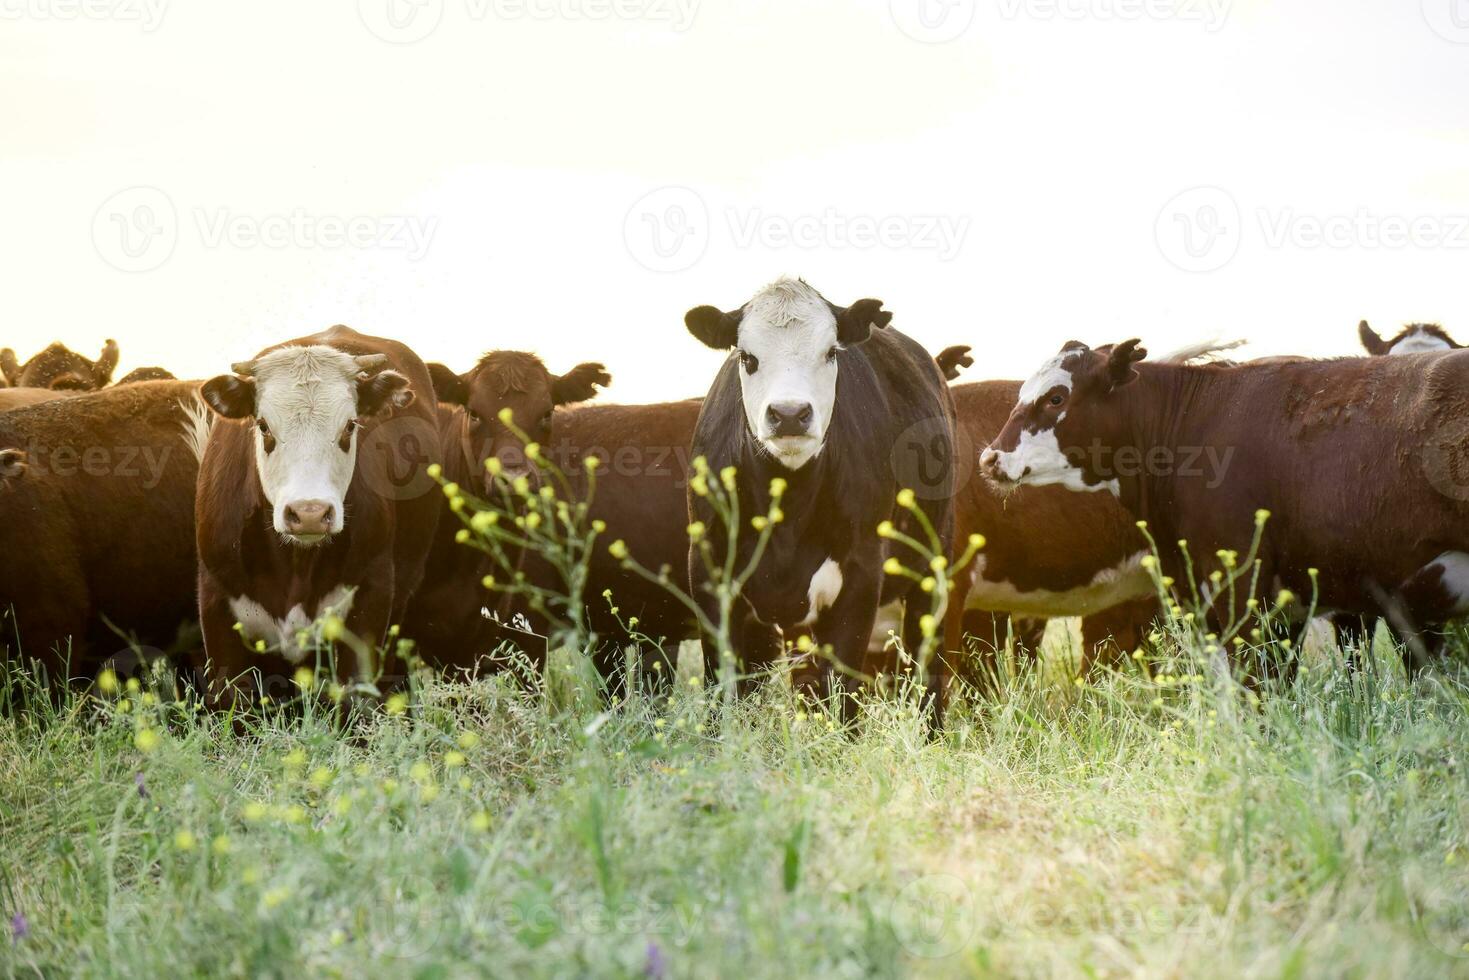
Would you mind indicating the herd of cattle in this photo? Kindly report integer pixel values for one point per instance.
(294, 487)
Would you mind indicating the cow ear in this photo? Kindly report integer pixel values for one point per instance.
(103, 367)
(856, 322)
(579, 384)
(448, 386)
(952, 360)
(1371, 341)
(231, 397)
(382, 391)
(1121, 359)
(9, 366)
(713, 327)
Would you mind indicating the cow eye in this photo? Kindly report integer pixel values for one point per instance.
(264, 429)
(750, 361)
(473, 416)
(267, 441)
(831, 355)
(1057, 399)
(345, 442)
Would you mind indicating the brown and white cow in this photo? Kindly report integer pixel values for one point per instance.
(313, 500)
(1415, 338)
(445, 617)
(1355, 458)
(96, 522)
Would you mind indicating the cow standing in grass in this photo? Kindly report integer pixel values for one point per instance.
(1357, 459)
(834, 403)
(313, 501)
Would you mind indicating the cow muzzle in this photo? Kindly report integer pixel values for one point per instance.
(309, 522)
(993, 464)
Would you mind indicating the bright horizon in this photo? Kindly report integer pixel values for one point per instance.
(1228, 170)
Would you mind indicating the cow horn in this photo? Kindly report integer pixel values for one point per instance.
(243, 368)
(371, 362)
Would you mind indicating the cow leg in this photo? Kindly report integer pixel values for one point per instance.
(1110, 635)
(1353, 636)
(367, 622)
(915, 605)
(225, 659)
(846, 626)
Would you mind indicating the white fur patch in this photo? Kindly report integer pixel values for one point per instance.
(826, 585)
(307, 396)
(283, 635)
(1455, 565)
(789, 329)
(1108, 587)
(1041, 453)
(1052, 374)
(889, 620)
(198, 423)
(1418, 341)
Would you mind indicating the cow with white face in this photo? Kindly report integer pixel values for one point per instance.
(311, 499)
(846, 412)
(1415, 338)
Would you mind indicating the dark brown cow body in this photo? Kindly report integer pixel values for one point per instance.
(96, 521)
(249, 572)
(1048, 553)
(21, 397)
(1354, 458)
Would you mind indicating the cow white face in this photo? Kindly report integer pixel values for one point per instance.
(307, 404)
(1032, 447)
(1415, 338)
(788, 340)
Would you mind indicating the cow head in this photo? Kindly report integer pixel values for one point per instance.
(517, 383)
(61, 368)
(1415, 338)
(308, 404)
(1057, 416)
(789, 341)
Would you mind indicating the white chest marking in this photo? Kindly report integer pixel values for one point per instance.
(283, 635)
(826, 585)
(1455, 565)
(1123, 582)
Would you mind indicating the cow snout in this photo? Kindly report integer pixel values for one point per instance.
(989, 462)
(310, 518)
(789, 418)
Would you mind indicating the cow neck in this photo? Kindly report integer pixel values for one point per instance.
(300, 575)
(1159, 409)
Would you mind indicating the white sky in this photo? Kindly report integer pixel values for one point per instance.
(536, 153)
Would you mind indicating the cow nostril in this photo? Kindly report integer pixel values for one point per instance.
(327, 516)
(1025, 472)
(804, 417)
(293, 520)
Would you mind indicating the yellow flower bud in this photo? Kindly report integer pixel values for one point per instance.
(906, 499)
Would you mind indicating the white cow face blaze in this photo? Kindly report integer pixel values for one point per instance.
(1417, 340)
(307, 404)
(788, 340)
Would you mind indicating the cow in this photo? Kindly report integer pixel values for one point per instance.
(1047, 554)
(145, 374)
(58, 367)
(1415, 338)
(836, 405)
(96, 523)
(314, 505)
(1352, 460)
(21, 397)
(445, 618)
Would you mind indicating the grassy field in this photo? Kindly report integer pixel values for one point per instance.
(1150, 822)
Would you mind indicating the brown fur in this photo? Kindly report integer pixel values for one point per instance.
(89, 537)
(380, 552)
(59, 367)
(21, 397)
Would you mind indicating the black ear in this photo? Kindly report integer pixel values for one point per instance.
(1121, 360)
(579, 384)
(382, 391)
(1374, 344)
(448, 386)
(952, 360)
(857, 321)
(230, 396)
(713, 327)
(103, 367)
